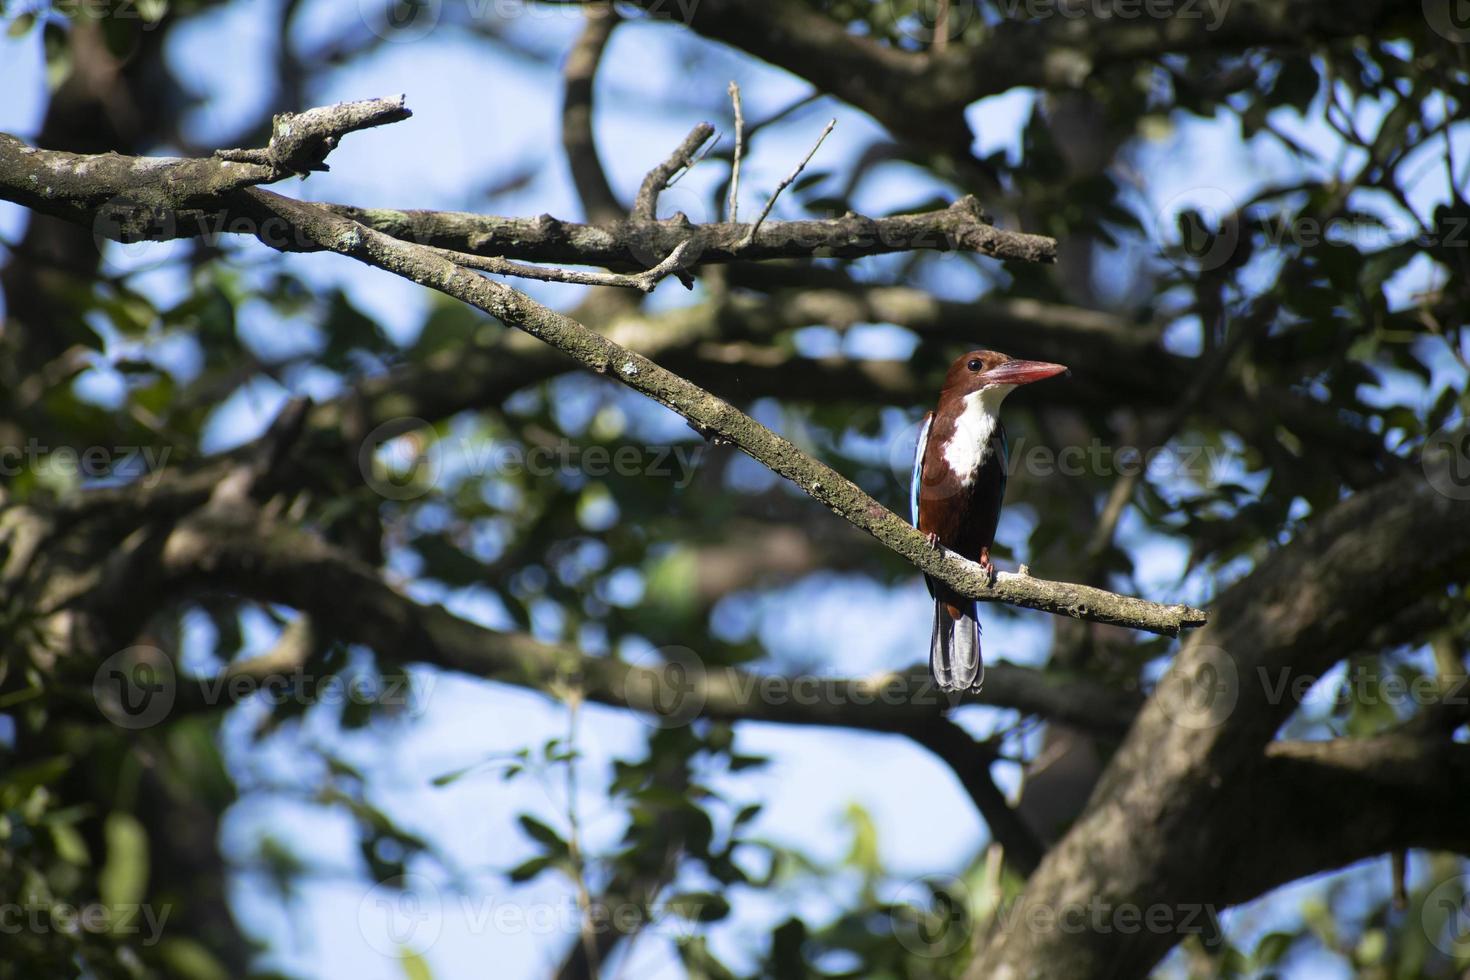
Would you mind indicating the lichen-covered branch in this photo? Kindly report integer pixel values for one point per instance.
(717, 419)
(297, 225)
(300, 141)
(159, 199)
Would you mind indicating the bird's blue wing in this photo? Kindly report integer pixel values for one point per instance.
(917, 479)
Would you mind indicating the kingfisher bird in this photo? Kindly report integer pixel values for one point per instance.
(958, 483)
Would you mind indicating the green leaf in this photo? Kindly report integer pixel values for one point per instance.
(69, 845)
(699, 906)
(415, 967)
(1272, 947)
(863, 854)
(189, 959)
(123, 880)
(527, 870)
(17, 786)
(542, 834)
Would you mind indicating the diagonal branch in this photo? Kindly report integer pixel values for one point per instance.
(285, 224)
(718, 419)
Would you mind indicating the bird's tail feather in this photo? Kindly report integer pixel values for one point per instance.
(954, 649)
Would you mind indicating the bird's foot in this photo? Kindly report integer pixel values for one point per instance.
(987, 564)
(933, 538)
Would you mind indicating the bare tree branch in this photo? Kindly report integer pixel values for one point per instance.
(786, 182)
(300, 141)
(718, 419)
(144, 199)
(598, 200)
(645, 207)
(732, 204)
(320, 226)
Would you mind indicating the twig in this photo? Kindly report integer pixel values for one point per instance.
(732, 207)
(750, 235)
(676, 262)
(708, 149)
(645, 206)
(300, 141)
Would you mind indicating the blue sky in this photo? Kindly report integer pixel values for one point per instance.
(479, 113)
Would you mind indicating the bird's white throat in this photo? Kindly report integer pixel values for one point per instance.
(969, 447)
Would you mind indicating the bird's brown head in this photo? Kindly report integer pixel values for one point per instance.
(982, 369)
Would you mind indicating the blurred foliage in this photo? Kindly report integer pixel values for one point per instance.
(1325, 387)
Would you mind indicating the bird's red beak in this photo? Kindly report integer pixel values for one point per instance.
(1022, 372)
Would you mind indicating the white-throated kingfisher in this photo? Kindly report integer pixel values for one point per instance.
(958, 484)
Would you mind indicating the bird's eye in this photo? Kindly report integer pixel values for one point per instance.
(974, 364)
